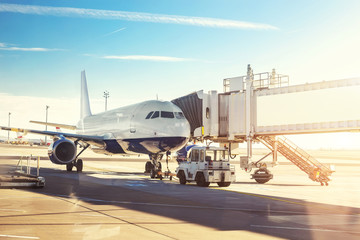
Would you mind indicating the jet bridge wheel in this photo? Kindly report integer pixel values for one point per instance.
(262, 175)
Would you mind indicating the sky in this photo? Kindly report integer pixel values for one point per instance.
(147, 49)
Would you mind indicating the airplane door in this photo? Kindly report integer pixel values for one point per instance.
(135, 117)
(132, 124)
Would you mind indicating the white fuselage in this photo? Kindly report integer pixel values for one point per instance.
(133, 129)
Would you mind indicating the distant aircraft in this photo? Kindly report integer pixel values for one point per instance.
(152, 127)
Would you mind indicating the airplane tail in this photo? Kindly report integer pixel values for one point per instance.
(84, 101)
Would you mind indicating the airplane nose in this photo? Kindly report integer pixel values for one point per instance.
(184, 128)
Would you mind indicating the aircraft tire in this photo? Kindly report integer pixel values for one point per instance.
(152, 173)
(69, 166)
(148, 167)
(79, 165)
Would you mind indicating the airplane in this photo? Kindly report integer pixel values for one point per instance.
(152, 127)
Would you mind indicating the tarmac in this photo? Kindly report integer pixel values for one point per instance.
(113, 199)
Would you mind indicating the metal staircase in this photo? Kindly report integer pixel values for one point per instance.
(317, 172)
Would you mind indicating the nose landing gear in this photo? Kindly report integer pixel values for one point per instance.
(154, 166)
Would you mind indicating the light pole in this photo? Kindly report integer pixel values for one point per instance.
(47, 107)
(9, 126)
(106, 96)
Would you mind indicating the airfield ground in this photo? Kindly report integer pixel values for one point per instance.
(114, 199)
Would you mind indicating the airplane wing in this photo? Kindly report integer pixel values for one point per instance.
(94, 140)
(71, 127)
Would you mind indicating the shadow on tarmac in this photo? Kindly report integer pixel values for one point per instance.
(210, 207)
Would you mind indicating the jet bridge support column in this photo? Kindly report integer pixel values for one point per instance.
(250, 107)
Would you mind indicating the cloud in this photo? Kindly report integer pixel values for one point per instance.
(5, 47)
(28, 49)
(133, 16)
(148, 58)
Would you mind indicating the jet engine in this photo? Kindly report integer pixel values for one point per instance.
(62, 151)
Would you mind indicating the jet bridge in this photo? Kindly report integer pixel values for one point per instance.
(231, 118)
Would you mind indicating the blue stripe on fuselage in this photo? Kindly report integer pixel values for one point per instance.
(112, 146)
(145, 145)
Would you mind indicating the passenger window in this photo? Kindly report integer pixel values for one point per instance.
(179, 115)
(149, 115)
(155, 115)
(165, 114)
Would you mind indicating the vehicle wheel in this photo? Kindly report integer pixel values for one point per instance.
(182, 178)
(148, 167)
(152, 173)
(224, 184)
(262, 176)
(200, 180)
(79, 165)
(69, 166)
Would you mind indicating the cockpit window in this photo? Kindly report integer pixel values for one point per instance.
(155, 115)
(165, 114)
(149, 115)
(179, 115)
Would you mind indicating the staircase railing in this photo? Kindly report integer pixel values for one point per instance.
(316, 171)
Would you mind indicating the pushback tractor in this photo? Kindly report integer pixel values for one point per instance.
(205, 165)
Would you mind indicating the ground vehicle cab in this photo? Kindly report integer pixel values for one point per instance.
(206, 165)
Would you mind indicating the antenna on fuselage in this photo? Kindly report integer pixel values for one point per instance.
(106, 96)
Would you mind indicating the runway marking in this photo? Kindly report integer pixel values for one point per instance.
(14, 236)
(260, 196)
(117, 218)
(107, 171)
(303, 229)
(91, 215)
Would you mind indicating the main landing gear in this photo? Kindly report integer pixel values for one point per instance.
(154, 166)
(78, 163)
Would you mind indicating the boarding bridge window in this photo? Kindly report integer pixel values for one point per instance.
(149, 115)
(179, 115)
(155, 115)
(165, 114)
(195, 155)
